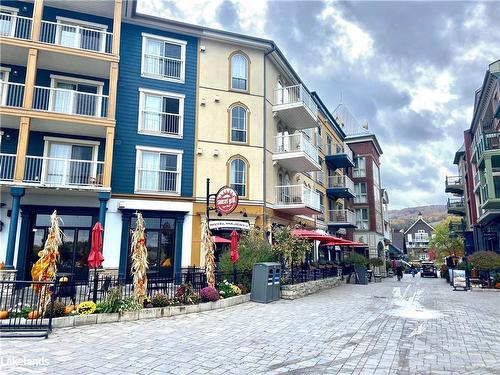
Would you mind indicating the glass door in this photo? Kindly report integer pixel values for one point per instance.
(57, 164)
(81, 169)
(64, 97)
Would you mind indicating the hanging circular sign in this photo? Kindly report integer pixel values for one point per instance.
(226, 200)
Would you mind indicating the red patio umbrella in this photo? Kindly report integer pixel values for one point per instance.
(234, 247)
(95, 258)
(218, 239)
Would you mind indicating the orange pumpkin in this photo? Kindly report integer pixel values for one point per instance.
(4, 314)
(69, 309)
(34, 314)
(2, 265)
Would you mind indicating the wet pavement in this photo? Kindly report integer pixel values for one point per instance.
(416, 326)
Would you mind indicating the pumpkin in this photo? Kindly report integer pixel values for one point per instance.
(2, 265)
(4, 314)
(34, 314)
(63, 279)
(69, 309)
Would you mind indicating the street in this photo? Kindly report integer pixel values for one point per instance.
(417, 326)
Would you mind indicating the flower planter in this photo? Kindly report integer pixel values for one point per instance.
(81, 320)
(108, 318)
(129, 316)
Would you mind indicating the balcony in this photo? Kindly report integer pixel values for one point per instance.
(360, 199)
(14, 26)
(487, 141)
(63, 173)
(295, 153)
(339, 156)
(454, 184)
(76, 36)
(11, 95)
(342, 219)
(491, 195)
(340, 187)
(421, 237)
(70, 102)
(456, 206)
(297, 200)
(295, 106)
(7, 166)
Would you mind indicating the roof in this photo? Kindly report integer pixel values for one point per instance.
(364, 138)
(419, 220)
(491, 75)
(395, 250)
(460, 152)
(398, 240)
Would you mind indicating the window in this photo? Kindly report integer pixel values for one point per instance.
(238, 124)
(8, 18)
(361, 193)
(362, 218)
(319, 174)
(163, 58)
(72, 96)
(376, 174)
(158, 170)
(238, 176)
(319, 138)
(4, 85)
(239, 72)
(359, 167)
(77, 34)
(161, 113)
(329, 149)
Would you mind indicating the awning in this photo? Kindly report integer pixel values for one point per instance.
(331, 240)
(218, 239)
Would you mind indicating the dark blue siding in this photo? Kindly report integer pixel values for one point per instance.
(43, 78)
(17, 73)
(129, 82)
(25, 8)
(50, 14)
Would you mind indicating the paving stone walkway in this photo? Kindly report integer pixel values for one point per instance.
(417, 326)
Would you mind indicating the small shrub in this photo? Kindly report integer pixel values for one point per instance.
(485, 260)
(57, 308)
(226, 289)
(160, 300)
(376, 262)
(185, 295)
(356, 259)
(101, 307)
(20, 311)
(129, 304)
(243, 289)
(86, 308)
(209, 294)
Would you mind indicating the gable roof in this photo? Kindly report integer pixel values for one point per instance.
(419, 220)
(398, 240)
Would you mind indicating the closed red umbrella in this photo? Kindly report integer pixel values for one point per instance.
(234, 247)
(95, 258)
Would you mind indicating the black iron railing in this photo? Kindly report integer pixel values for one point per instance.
(298, 275)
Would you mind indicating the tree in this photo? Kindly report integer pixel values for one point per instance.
(443, 244)
(485, 260)
(291, 248)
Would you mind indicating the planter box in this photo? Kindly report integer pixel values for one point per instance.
(108, 318)
(129, 315)
(63, 321)
(154, 312)
(81, 320)
(304, 289)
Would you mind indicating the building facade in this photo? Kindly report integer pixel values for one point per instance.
(478, 185)
(417, 238)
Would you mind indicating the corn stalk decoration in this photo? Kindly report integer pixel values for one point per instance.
(207, 247)
(139, 260)
(45, 268)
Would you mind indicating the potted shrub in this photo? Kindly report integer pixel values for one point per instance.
(486, 261)
(359, 262)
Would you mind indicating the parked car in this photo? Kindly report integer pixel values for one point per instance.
(428, 269)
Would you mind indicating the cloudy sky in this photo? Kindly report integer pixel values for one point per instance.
(408, 68)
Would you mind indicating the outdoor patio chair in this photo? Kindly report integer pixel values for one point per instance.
(66, 290)
(102, 290)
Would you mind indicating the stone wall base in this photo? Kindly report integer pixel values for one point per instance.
(304, 289)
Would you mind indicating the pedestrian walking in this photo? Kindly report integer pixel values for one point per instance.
(413, 270)
(399, 272)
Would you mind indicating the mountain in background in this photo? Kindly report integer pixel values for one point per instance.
(402, 219)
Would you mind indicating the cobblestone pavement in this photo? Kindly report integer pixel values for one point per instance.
(417, 326)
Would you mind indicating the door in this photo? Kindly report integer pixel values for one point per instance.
(63, 97)
(81, 170)
(57, 165)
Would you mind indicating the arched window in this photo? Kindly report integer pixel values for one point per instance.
(239, 72)
(238, 124)
(238, 176)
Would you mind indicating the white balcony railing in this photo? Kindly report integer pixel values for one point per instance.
(161, 122)
(343, 181)
(336, 148)
(153, 180)
(342, 217)
(421, 237)
(70, 102)
(166, 67)
(11, 94)
(297, 195)
(295, 94)
(59, 172)
(361, 198)
(14, 26)
(295, 142)
(76, 36)
(321, 215)
(7, 166)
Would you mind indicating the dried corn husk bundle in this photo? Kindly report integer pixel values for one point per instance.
(207, 247)
(45, 268)
(139, 260)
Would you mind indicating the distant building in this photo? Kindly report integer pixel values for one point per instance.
(417, 238)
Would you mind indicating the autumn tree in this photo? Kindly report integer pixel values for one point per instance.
(444, 245)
